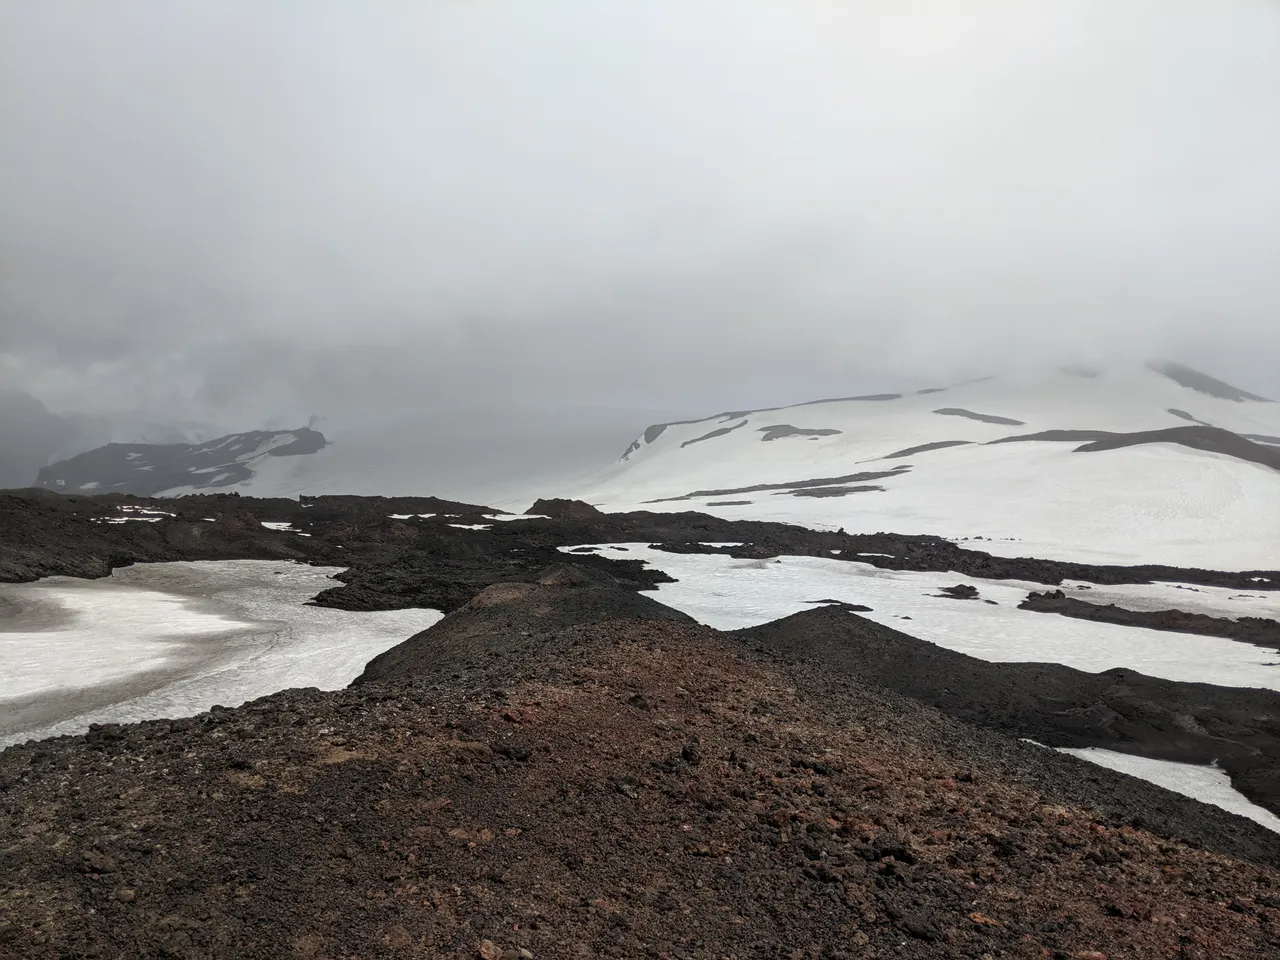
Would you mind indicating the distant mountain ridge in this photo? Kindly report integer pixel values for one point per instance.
(1130, 463)
(147, 469)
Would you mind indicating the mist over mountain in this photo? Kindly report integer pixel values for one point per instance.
(30, 436)
(261, 214)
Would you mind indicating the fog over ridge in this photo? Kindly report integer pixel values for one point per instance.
(250, 214)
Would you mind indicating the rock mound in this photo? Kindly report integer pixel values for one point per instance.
(506, 625)
(560, 509)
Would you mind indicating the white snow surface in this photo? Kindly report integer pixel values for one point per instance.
(1154, 503)
(173, 639)
(234, 448)
(1206, 784)
(729, 594)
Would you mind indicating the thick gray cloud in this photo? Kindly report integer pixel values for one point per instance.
(252, 212)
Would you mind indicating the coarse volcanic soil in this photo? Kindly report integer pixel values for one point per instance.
(632, 788)
(567, 767)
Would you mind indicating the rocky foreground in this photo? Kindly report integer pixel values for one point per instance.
(564, 767)
(633, 786)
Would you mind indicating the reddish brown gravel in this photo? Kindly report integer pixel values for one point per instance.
(644, 789)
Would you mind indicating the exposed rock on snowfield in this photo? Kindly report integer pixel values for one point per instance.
(147, 469)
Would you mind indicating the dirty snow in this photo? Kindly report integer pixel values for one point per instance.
(173, 639)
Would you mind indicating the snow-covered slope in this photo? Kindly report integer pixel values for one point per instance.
(157, 469)
(1146, 465)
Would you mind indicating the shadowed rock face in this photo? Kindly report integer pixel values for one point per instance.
(1203, 383)
(146, 469)
(561, 509)
(981, 417)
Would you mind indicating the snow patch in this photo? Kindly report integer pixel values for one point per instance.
(1206, 784)
(173, 639)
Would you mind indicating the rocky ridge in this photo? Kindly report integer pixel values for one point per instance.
(634, 787)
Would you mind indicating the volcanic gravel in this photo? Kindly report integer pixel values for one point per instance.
(646, 788)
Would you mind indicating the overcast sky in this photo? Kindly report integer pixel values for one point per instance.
(254, 211)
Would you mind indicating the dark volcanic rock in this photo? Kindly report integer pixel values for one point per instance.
(1120, 709)
(47, 534)
(427, 562)
(508, 621)
(1259, 631)
(633, 788)
(961, 591)
(982, 417)
(564, 510)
